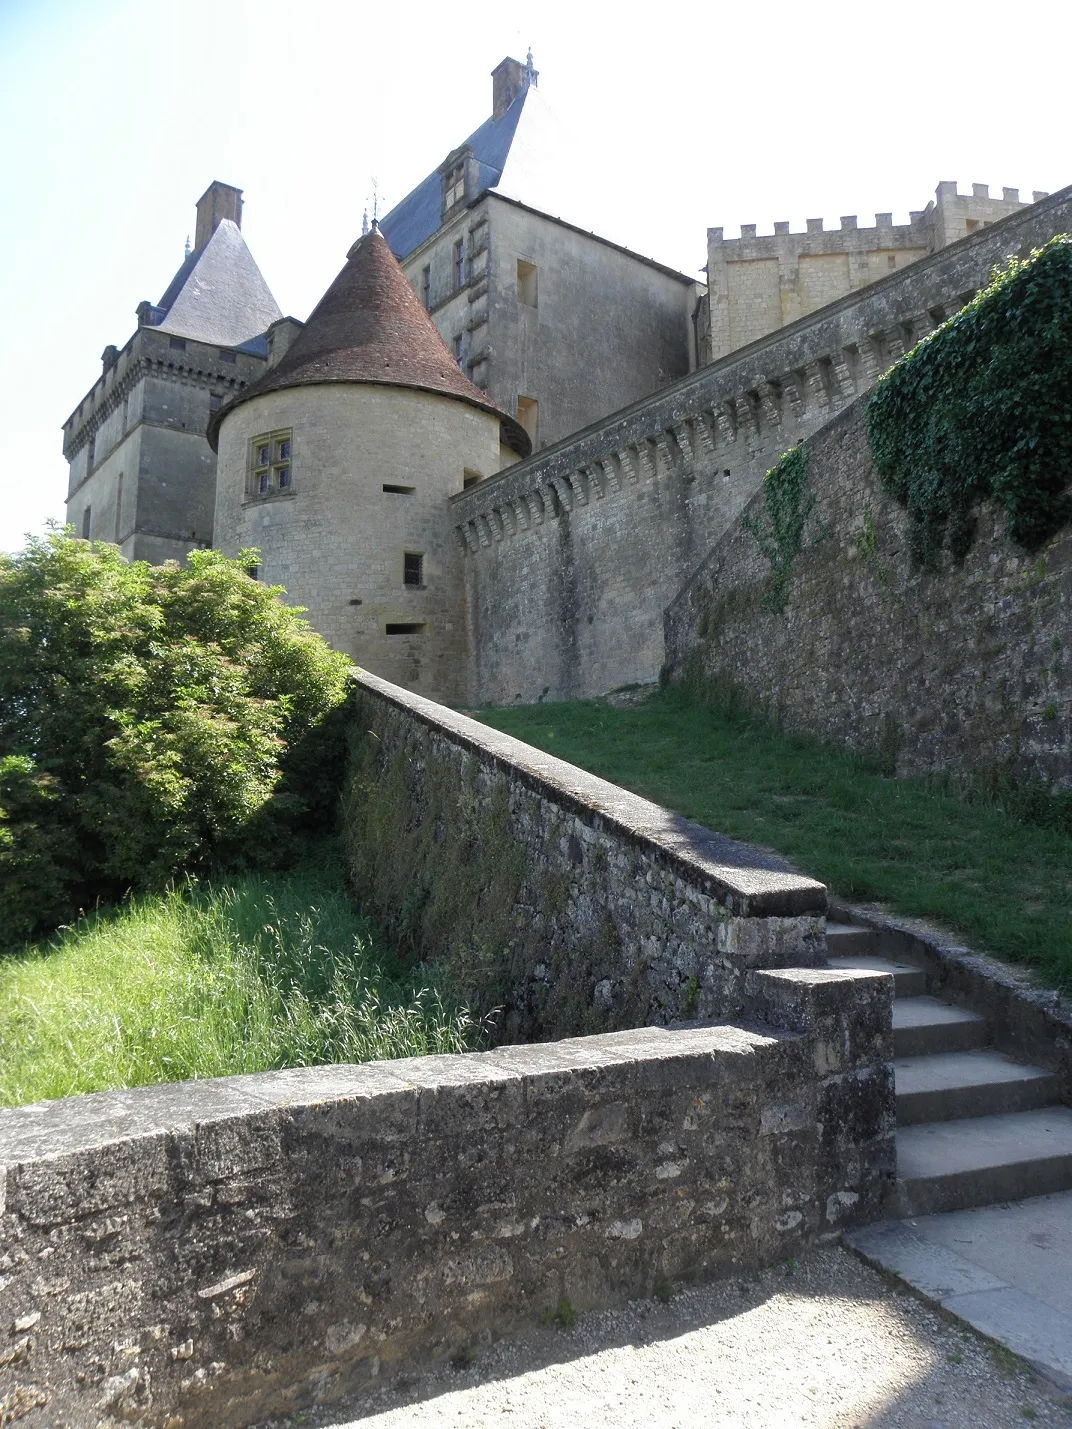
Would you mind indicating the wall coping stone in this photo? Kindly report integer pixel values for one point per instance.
(750, 882)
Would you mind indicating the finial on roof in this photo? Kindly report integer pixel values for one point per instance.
(532, 74)
(364, 222)
(187, 245)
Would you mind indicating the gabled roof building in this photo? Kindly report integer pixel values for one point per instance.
(141, 471)
(557, 325)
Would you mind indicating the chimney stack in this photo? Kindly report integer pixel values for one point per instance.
(508, 79)
(219, 201)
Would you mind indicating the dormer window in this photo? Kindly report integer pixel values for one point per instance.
(454, 185)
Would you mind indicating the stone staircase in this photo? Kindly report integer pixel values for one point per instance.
(974, 1126)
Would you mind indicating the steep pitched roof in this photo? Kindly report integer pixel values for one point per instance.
(419, 214)
(218, 295)
(370, 327)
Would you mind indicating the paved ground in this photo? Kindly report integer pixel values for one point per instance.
(828, 1343)
(1007, 1270)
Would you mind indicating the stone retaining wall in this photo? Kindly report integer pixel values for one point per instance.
(566, 903)
(572, 556)
(966, 670)
(209, 1253)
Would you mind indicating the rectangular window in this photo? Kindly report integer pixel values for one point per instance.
(454, 186)
(528, 414)
(271, 469)
(254, 572)
(426, 287)
(215, 401)
(459, 263)
(226, 355)
(412, 568)
(87, 516)
(408, 627)
(177, 344)
(526, 283)
(458, 348)
(395, 490)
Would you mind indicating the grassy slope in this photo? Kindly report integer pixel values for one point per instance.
(245, 975)
(1005, 886)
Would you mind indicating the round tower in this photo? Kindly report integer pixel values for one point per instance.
(337, 465)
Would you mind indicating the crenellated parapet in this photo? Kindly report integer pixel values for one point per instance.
(646, 492)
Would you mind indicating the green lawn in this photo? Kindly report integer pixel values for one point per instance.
(1003, 885)
(243, 975)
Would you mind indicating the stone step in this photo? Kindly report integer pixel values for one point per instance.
(954, 1085)
(951, 1165)
(845, 938)
(923, 1026)
(908, 981)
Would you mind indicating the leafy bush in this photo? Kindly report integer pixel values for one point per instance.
(152, 719)
(789, 504)
(982, 407)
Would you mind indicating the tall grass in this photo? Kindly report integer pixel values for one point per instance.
(207, 980)
(1001, 882)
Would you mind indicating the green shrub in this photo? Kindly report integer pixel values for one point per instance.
(152, 719)
(789, 504)
(982, 408)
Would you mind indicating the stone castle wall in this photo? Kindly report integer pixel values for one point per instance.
(336, 539)
(966, 670)
(213, 1253)
(572, 556)
(759, 284)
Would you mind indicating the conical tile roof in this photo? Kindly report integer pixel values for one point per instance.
(370, 327)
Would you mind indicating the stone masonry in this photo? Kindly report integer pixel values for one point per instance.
(964, 670)
(573, 555)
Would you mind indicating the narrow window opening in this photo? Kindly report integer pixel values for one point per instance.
(413, 568)
(393, 489)
(215, 401)
(226, 355)
(177, 344)
(528, 414)
(87, 516)
(891, 261)
(459, 263)
(405, 627)
(254, 572)
(426, 287)
(458, 339)
(526, 283)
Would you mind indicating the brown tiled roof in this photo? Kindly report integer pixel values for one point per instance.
(370, 327)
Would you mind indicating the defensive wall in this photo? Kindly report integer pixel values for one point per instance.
(965, 669)
(572, 556)
(209, 1253)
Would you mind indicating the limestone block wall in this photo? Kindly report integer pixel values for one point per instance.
(572, 556)
(966, 670)
(551, 899)
(759, 284)
(336, 539)
(139, 458)
(606, 328)
(213, 1253)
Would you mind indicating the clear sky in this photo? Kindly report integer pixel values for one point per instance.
(116, 114)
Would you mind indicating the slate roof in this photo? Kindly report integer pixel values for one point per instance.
(420, 213)
(370, 327)
(218, 295)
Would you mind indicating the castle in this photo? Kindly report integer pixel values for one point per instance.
(501, 445)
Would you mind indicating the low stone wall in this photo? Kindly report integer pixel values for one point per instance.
(571, 557)
(966, 670)
(553, 896)
(206, 1254)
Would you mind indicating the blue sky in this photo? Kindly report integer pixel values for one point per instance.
(115, 116)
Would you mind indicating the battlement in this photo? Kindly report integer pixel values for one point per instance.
(761, 282)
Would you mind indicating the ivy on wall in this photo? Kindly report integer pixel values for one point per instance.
(789, 502)
(982, 408)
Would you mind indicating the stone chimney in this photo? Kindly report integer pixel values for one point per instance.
(219, 201)
(508, 79)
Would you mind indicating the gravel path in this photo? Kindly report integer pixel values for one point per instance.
(827, 1343)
